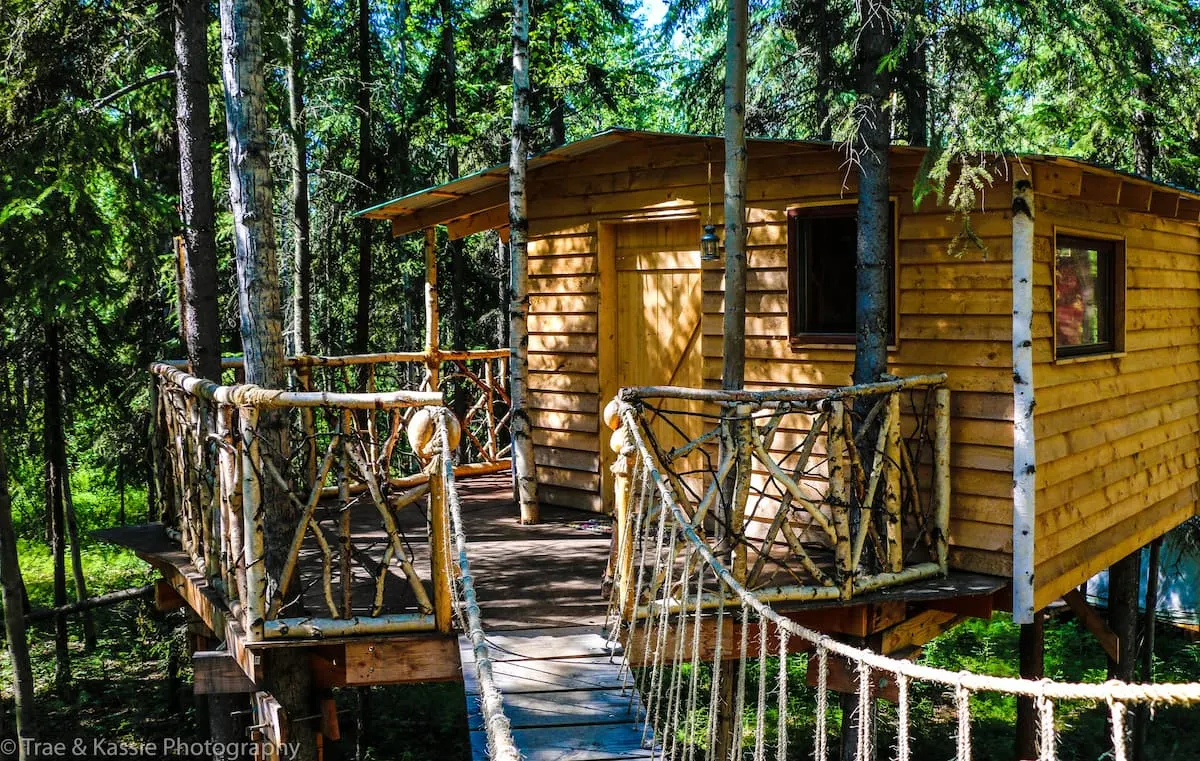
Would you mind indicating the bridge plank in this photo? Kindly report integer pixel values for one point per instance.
(555, 642)
(575, 743)
(554, 709)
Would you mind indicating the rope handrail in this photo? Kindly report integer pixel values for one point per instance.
(501, 745)
(1116, 694)
(248, 394)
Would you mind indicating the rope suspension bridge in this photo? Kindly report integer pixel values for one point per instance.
(736, 514)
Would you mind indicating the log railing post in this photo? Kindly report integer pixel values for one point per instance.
(743, 442)
(493, 446)
(307, 427)
(255, 603)
(839, 497)
(345, 545)
(941, 475)
(891, 493)
(439, 542)
(621, 558)
(432, 358)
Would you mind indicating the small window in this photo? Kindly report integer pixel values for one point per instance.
(1087, 296)
(822, 277)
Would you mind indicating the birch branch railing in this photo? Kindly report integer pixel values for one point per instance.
(346, 472)
(686, 712)
(811, 494)
(473, 384)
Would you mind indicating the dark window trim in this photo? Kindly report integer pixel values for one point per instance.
(1116, 287)
(801, 338)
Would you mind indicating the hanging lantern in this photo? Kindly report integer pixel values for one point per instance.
(710, 244)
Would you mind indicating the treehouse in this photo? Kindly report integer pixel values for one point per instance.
(1039, 423)
(621, 297)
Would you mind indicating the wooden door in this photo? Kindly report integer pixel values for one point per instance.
(658, 316)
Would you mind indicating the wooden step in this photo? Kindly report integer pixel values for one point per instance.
(573, 743)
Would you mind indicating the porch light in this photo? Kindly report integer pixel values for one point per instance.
(710, 244)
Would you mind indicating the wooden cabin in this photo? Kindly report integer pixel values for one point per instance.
(620, 297)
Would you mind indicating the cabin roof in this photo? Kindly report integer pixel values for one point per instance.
(487, 189)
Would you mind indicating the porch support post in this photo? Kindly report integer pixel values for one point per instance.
(1024, 459)
(432, 348)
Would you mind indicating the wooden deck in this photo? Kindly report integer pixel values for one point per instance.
(539, 591)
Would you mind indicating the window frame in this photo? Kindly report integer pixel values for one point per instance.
(1117, 285)
(798, 336)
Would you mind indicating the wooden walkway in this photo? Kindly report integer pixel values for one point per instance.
(539, 592)
(563, 694)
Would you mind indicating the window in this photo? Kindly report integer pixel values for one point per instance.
(822, 280)
(1088, 280)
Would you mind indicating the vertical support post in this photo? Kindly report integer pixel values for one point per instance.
(1024, 458)
(891, 493)
(345, 546)
(941, 476)
(493, 445)
(1032, 649)
(255, 601)
(838, 496)
(439, 541)
(737, 516)
(432, 350)
(1141, 718)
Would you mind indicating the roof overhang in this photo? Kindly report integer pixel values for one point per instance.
(479, 201)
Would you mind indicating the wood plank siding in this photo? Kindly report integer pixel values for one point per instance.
(1117, 436)
(953, 312)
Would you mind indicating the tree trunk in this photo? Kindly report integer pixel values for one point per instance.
(201, 318)
(301, 223)
(362, 317)
(524, 469)
(1145, 145)
(458, 281)
(872, 300)
(734, 369)
(1123, 582)
(14, 616)
(81, 591)
(56, 462)
(287, 675)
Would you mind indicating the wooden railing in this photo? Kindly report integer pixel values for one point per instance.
(346, 463)
(810, 494)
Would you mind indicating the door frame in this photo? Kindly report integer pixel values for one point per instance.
(606, 328)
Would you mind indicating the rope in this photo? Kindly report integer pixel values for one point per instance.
(902, 740)
(781, 750)
(962, 702)
(501, 746)
(821, 740)
(1158, 693)
(1117, 713)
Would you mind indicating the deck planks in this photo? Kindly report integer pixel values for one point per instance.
(564, 695)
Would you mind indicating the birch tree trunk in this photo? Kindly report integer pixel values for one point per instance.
(14, 616)
(287, 673)
(301, 222)
(201, 322)
(734, 369)
(56, 460)
(524, 469)
(362, 317)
